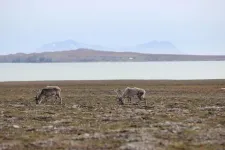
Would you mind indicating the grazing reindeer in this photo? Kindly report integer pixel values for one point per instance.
(47, 92)
(131, 92)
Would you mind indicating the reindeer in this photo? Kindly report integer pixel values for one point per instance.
(130, 92)
(47, 92)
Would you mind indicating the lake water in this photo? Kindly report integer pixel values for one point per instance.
(112, 70)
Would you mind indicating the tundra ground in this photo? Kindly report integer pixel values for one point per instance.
(185, 115)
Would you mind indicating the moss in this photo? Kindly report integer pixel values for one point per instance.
(171, 117)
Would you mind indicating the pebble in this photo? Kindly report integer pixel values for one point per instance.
(16, 126)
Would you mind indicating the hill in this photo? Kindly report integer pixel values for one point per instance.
(89, 55)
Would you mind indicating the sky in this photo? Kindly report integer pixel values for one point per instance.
(193, 26)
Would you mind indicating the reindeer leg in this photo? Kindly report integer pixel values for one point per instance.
(60, 100)
(46, 99)
(145, 101)
(55, 99)
(58, 96)
(40, 100)
(129, 98)
(143, 98)
(121, 101)
(139, 97)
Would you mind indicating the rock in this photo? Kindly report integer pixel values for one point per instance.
(86, 135)
(98, 135)
(48, 127)
(141, 111)
(16, 126)
(75, 106)
(196, 128)
(137, 146)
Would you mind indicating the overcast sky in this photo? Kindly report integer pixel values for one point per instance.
(193, 26)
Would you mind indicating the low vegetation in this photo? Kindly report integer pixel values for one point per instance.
(185, 115)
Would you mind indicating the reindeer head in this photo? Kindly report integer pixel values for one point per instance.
(119, 96)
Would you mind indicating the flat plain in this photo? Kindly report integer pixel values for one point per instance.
(180, 115)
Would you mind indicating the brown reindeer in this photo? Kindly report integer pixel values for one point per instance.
(131, 92)
(47, 92)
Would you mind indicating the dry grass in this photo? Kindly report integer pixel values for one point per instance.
(180, 115)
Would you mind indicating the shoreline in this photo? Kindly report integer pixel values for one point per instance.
(119, 81)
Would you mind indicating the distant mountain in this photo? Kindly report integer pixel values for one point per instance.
(89, 55)
(155, 47)
(68, 45)
(152, 47)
